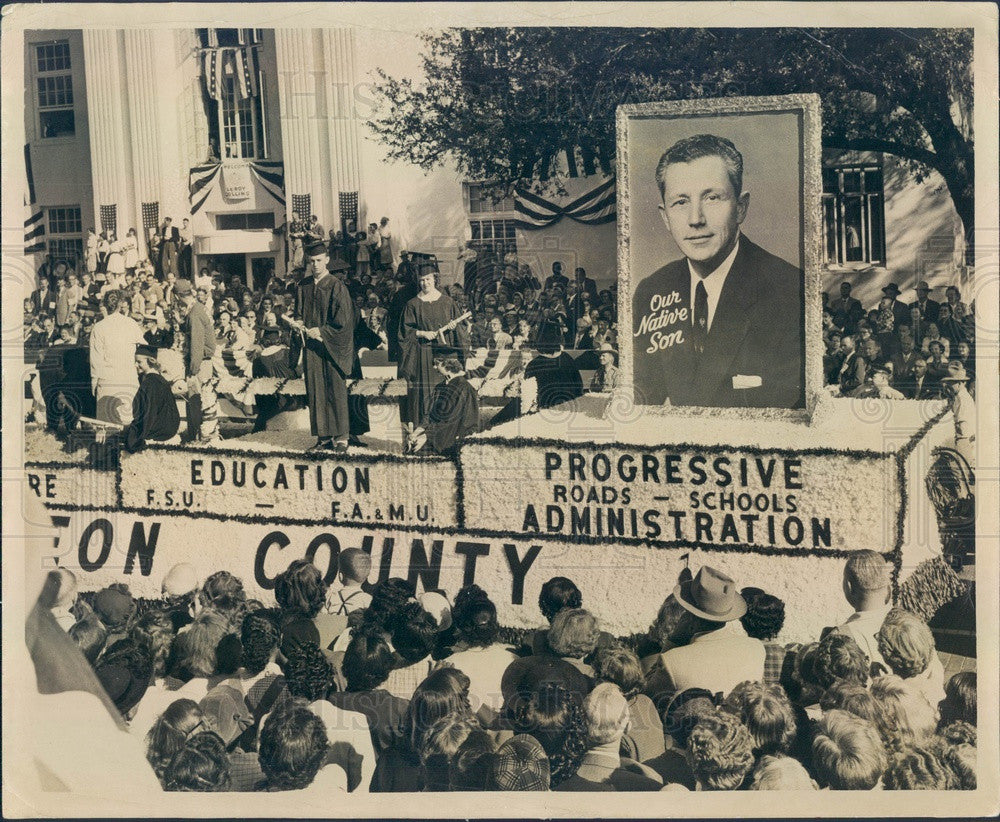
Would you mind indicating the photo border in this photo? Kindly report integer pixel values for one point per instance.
(808, 106)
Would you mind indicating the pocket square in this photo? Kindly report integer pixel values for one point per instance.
(743, 381)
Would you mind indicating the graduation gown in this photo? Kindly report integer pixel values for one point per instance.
(416, 363)
(154, 413)
(326, 305)
(454, 414)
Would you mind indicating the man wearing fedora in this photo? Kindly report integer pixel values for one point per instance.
(928, 308)
(720, 655)
(954, 387)
(608, 376)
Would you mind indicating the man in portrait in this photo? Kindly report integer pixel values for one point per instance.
(723, 326)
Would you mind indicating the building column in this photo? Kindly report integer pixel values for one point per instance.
(342, 134)
(110, 150)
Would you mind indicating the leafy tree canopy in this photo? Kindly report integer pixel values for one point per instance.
(526, 105)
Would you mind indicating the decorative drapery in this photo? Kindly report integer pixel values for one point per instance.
(203, 179)
(240, 62)
(596, 207)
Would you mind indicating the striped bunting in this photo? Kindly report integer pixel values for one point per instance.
(596, 207)
(202, 180)
(34, 224)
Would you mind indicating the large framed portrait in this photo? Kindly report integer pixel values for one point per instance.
(719, 231)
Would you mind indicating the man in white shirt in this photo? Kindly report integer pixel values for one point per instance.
(113, 374)
(723, 325)
(866, 588)
(963, 409)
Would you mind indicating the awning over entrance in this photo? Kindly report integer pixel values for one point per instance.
(237, 242)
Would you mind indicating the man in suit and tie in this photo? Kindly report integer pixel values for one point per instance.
(846, 311)
(170, 241)
(928, 308)
(904, 359)
(921, 386)
(724, 325)
(556, 278)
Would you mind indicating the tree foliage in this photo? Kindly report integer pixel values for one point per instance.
(511, 105)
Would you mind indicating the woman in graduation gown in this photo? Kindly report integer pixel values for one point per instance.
(454, 410)
(420, 338)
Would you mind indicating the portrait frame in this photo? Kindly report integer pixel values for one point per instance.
(806, 109)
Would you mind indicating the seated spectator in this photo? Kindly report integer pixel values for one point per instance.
(347, 596)
(838, 657)
(90, 636)
(719, 752)
(847, 753)
(959, 703)
(520, 764)
(414, 633)
(904, 717)
(170, 732)
(224, 593)
(367, 663)
(179, 591)
(606, 714)
(866, 588)
(781, 773)
(764, 619)
(919, 768)
(766, 713)
(292, 752)
(907, 645)
(573, 637)
(444, 693)
(477, 652)
(644, 739)
(201, 765)
(720, 655)
(845, 695)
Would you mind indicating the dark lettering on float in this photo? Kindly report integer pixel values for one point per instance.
(142, 547)
(821, 532)
(471, 551)
(196, 472)
(107, 534)
(530, 519)
(275, 538)
(428, 572)
(331, 542)
(554, 519)
(362, 480)
(519, 569)
(552, 463)
(218, 472)
(280, 477)
(258, 467)
(703, 527)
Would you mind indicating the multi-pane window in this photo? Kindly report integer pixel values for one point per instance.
(482, 203)
(65, 233)
(853, 215)
(54, 87)
(488, 234)
(241, 119)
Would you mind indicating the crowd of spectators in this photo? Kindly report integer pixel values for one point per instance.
(896, 350)
(359, 687)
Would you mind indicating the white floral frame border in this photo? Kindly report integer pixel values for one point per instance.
(808, 106)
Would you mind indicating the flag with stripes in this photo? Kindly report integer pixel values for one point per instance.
(211, 71)
(34, 217)
(246, 76)
(596, 207)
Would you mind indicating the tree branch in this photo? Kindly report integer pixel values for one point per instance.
(922, 155)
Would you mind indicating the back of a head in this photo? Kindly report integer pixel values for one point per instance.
(470, 767)
(155, 630)
(919, 768)
(224, 592)
(906, 643)
(520, 764)
(354, 564)
(851, 697)
(720, 751)
(194, 652)
(904, 716)
(684, 712)
(607, 714)
(414, 633)
(767, 713)
(765, 616)
(368, 660)
(847, 752)
(293, 746)
(621, 667)
(438, 696)
(180, 581)
(574, 633)
(781, 773)
(960, 700)
(388, 598)
(556, 594)
(308, 673)
(90, 635)
(300, 590)
(259, 638)
(475, 616)
(201, 765)
(546, 714)
(866, 573)
(838, 657)
(170, 733)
